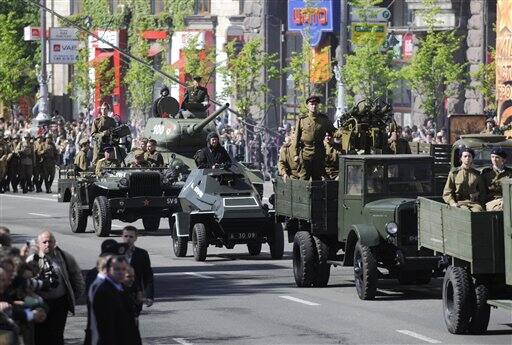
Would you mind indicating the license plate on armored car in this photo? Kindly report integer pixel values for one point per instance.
(243, 236)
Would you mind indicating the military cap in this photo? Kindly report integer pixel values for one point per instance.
(83, 141)
(467, 149)
(108, 148)
(498, 151)
(138, 154)
(313, 98)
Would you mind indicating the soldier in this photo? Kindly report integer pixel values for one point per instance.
(397, 145)
(13, 164)
(332, 158)
(490, 126)
(38, 164)
(3, 164)
(154, 158)
(213, 154)
(101, 130)
(25, 151)
(492, 177)
(196, 97)
(308, 141)
(286, 166)
(465, 187)
(139, 160)
(81, 160)
(50, 159)
(108, 161)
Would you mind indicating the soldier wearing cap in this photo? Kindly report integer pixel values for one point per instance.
(81, 161)
(139, 161)
(25, 151)
(38, 164)
(465, 187)
(332, 157)
(108, 161)
(196, 97)
(309, 141)
(154, 158)
(101, 130)
(492, 177)
(286, 166)
(13, 164)
(50, 159)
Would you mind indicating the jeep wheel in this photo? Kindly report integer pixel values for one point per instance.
(179, 244)
(323, 270)
(77, 216)
(276, 242)
(199, 242)
(481, 311)
(457, 299)
(365, 271)
(304, 261)
(151, 223)
(254, 248)
(101, 216)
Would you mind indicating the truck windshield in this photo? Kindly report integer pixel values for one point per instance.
(483, 156)
(403, 177)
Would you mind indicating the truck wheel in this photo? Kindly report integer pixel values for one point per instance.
(77, 216)
(276, 242)
(151, 223)
(323, 271)
(457, 299)
(101, 216)
(481, 311)
(254, 248)
(179, 244)
(199, 242)
(304, 261)
(365, 271)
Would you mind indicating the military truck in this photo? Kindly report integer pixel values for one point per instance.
(476, 248)
(369, 214)
(222, 208)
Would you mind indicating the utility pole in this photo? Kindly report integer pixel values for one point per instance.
(43, 115)
(340, 101)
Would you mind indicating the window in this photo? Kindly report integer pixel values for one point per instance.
(202, 7)
(410, 178)
(354, 185)
(375, 179)
(76, 6)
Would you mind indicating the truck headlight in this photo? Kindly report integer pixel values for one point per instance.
(123, 182)
(391, 228)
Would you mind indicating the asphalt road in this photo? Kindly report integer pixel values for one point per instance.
(236, 298)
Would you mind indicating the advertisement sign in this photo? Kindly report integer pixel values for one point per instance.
(504, 61)
(111, 36)
(312, 19)
(321, 71)
(31, 33)
(63, 34)
(407, 46)
(371, 15)
(360, 31)
(63, 51)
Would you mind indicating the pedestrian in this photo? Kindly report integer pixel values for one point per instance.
(138, 258)
(66, 285)
(114, 321)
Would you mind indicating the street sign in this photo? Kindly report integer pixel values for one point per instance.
(63, 51)
(361, 30)
(372, 15)
(63, 34)
(31, 33)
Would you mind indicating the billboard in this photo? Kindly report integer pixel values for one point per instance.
(313, 18)
(63, 51)
(504, 61)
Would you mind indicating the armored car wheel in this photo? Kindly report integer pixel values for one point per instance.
(457, 299)
(276, 242)
(323, 270)
(365, 272)
(101, 216)
(151, 223)
(199, 242)
(179, 244)
(304, 261)
(77, 216)
(254, 248)
(481, 311)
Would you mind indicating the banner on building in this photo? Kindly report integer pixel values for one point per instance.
(320, 69)
(313, 18)
(504, 61)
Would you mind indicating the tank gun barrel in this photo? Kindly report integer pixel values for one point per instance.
(195, 128)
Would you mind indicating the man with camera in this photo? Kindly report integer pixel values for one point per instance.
(65, 284)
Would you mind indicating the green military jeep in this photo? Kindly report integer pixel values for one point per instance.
(370, 214)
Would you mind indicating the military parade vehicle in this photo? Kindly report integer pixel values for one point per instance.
(370, 214)
(476, 248)
(482, 144)
(222, 208)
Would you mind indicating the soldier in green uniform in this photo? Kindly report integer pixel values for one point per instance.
(3, 164)
(465, 187)
(332, 158)
(108, 161)
(309, 141)
(153, 158)
(196, 98)
(50, 159)
(492, 177)
(81, 160)
(490, 125)
(25, 151)
(101, 130)
(38, 164)
(13, 164)
(139, 160)
(286, 166)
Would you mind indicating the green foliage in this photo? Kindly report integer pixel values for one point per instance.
(105, 72)
(198, 62)
(298, 69)
(433, 70)
(179, 10)
(485, 77)
(243, 75)
(18, 58)
(430, 12)
(81, 82)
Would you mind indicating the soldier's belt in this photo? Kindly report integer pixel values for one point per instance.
(312, 143)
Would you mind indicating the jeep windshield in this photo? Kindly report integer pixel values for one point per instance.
(483, 156)
(399, 178)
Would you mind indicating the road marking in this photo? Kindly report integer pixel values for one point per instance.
(199, 275)
(26, 197)
(418, 336)
(40, 214)
(181, 341)
(298, 300)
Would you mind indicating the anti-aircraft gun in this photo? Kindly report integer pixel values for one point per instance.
(363, 128)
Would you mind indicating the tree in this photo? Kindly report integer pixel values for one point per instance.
(19, 58)
(299, 71)
(198, 62)
(485, 76)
